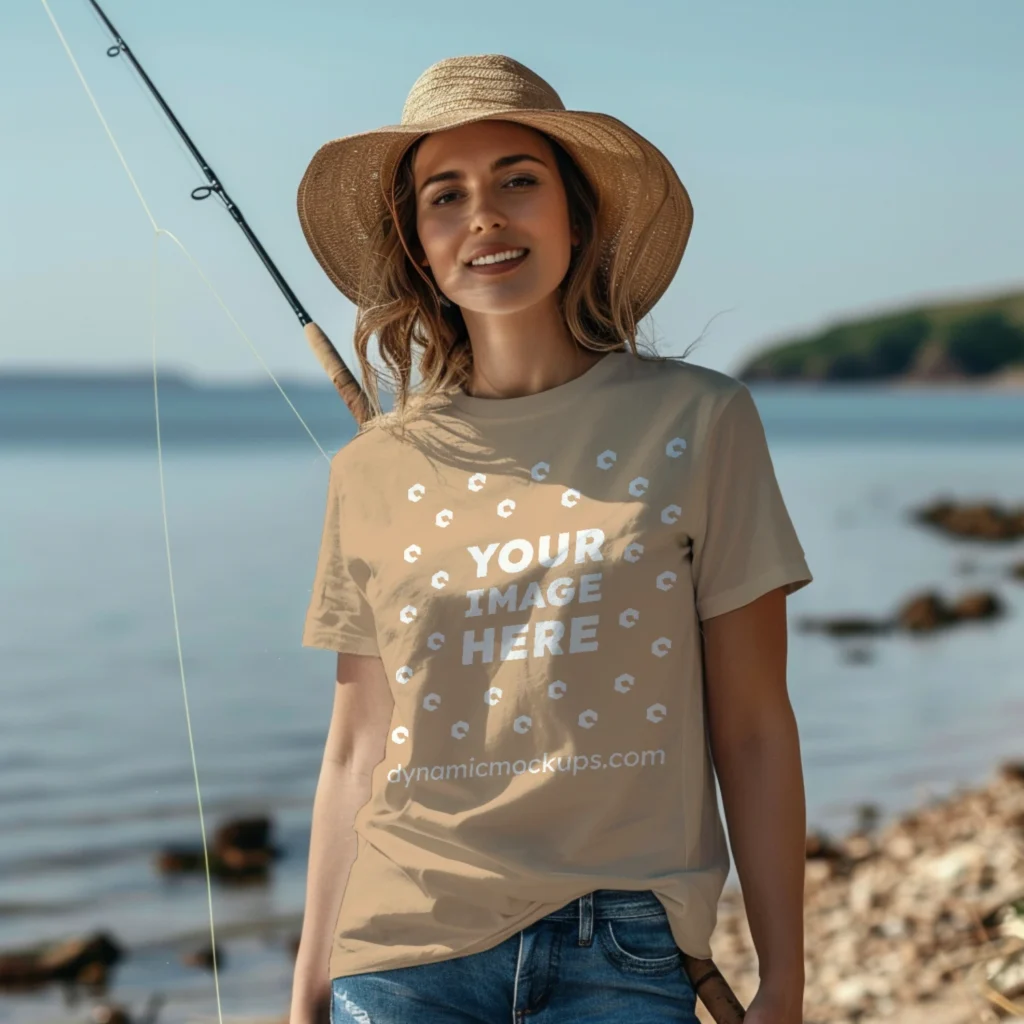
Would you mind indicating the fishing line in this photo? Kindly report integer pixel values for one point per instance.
(154, 286)
(163, 231)
(177, 628)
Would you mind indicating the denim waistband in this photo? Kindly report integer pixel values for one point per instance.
(607, 904)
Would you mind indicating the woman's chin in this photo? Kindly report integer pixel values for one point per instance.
(505, 300)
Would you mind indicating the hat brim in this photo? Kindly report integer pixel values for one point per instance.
(341, 198)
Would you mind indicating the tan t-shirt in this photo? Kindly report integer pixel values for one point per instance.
(532, 572)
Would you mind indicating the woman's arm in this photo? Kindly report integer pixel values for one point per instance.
(756, 751)
(355, 744)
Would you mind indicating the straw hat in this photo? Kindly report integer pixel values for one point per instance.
(341, 196)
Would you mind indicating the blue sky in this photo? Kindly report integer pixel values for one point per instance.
(841, 157)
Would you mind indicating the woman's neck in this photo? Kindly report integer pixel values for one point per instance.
(523, 353)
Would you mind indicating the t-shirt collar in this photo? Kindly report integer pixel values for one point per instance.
(542, 401)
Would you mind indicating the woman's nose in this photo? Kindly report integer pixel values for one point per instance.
(485, 215)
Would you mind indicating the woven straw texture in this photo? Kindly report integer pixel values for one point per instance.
(341, 195)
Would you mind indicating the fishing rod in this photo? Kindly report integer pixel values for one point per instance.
(345, 383)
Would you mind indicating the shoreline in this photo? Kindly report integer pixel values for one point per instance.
(1010, 378)
(1010, 382)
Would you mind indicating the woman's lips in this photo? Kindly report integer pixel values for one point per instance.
(499, 268)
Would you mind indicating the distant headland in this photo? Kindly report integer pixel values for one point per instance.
(22, 380)
(977, 341)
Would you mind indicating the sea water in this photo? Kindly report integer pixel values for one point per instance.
(95, 763)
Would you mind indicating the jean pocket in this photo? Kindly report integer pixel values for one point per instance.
(642, 945)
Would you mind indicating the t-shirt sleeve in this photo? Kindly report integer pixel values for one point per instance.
(748, 544)
(339, 617)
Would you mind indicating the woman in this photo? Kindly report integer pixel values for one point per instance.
(555, 577)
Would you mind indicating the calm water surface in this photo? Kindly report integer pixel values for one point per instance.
(95, 772)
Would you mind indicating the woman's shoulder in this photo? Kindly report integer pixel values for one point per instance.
(383, 435)
(680, 378)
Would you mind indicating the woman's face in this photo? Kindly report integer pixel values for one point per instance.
(486, 188)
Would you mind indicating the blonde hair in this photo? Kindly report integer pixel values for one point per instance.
(405, 312)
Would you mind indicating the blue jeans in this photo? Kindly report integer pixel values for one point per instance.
(605, 958)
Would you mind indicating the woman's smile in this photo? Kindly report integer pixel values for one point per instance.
(501, 263)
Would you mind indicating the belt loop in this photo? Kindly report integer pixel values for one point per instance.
(586, 906)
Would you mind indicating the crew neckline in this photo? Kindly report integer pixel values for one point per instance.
(541, 401)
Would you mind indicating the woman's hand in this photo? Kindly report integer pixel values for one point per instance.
(776, 1006)
(311, 1009)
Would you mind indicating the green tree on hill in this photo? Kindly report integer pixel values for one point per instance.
(887, 353)
(975, 337)
(898, 345)
(984, 343)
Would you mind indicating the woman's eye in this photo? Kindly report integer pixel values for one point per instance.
(524, 178)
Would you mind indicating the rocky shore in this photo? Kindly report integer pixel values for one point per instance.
(919, 921)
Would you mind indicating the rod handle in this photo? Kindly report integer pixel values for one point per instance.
(714, 990)
(345, 383)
